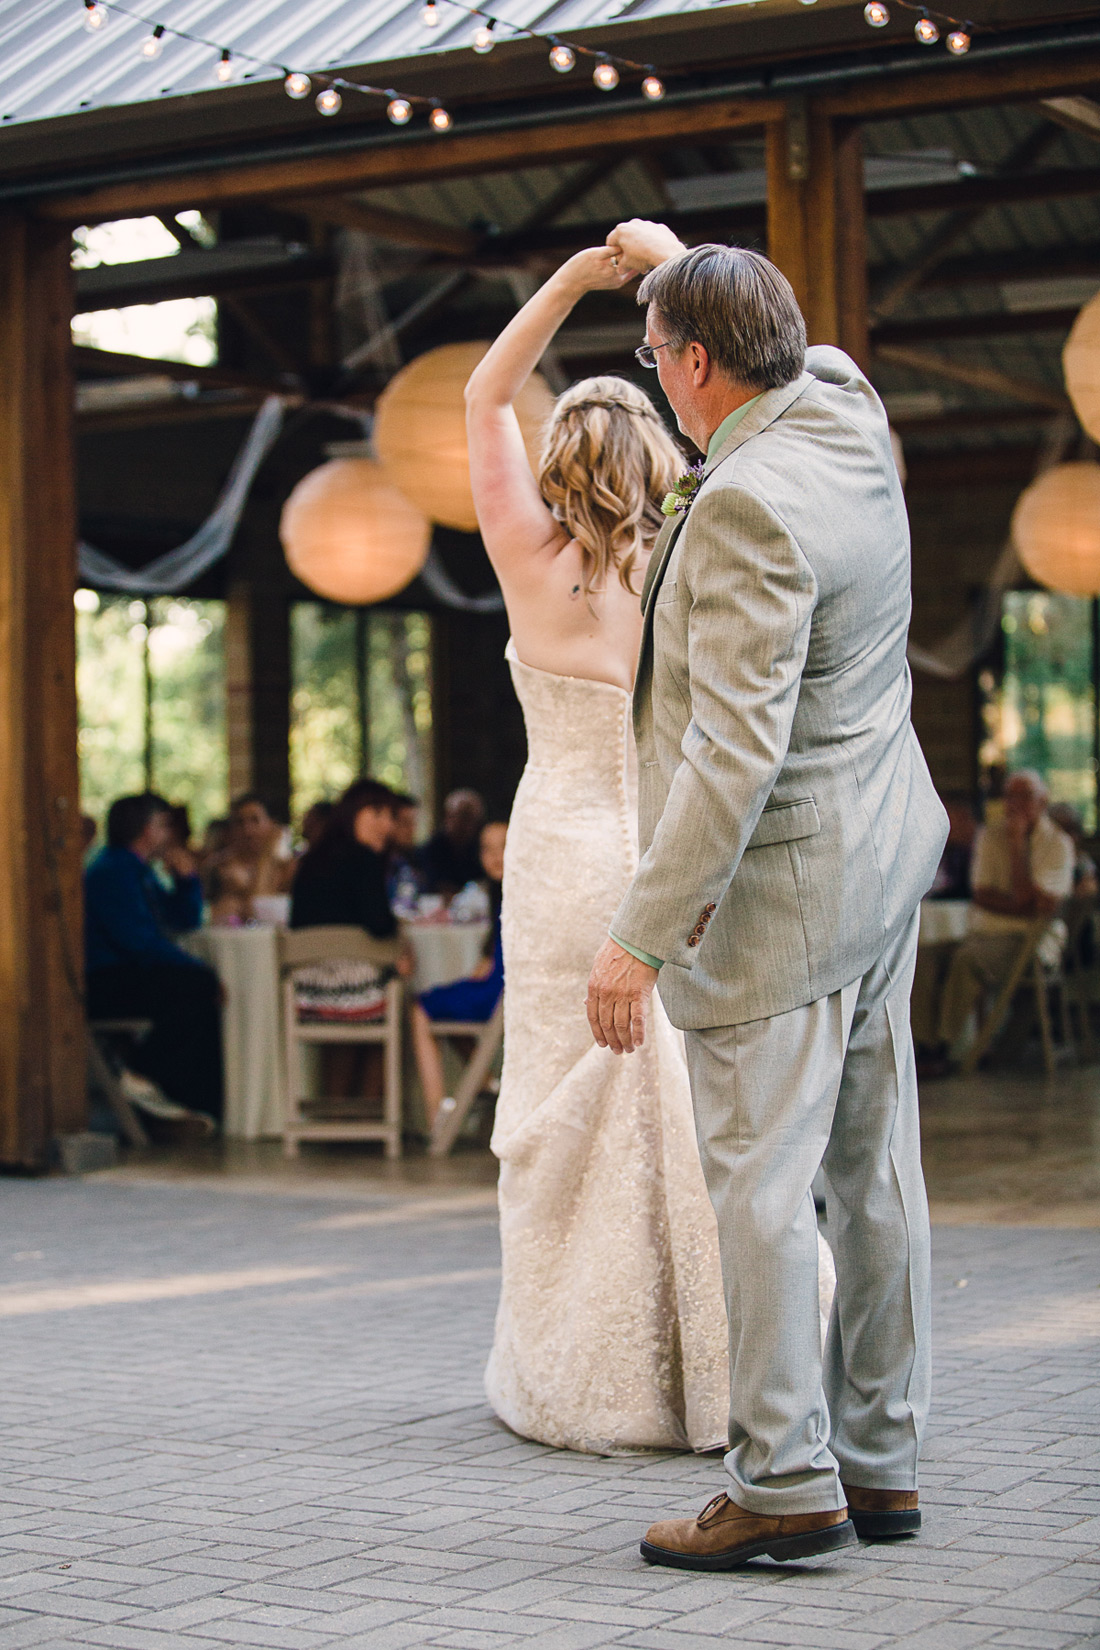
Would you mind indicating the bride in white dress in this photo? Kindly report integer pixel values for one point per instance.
(611, 1330)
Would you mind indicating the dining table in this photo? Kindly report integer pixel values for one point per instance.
(246, 961)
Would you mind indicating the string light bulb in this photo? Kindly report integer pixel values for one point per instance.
(606, 76)
(926, 31)
(958, 42)
(329, 102)
(95, 16)
(153, 44)
(439, 119)
(297, 86)
(399, 110)
(653, 88)
(224, 70)
(562, 58)
(876, 14)
(429, 15)
(484, 39)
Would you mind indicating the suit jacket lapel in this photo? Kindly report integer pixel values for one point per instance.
(658, 556)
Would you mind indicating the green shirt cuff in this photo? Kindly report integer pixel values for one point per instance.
(642, 956)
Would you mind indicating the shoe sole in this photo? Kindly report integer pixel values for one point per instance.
(783, 1549)
(885, 1526)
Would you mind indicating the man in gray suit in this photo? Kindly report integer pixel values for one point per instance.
(788, 831)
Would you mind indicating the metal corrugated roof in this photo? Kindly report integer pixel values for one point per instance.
(51, 65)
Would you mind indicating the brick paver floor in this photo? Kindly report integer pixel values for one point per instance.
(238, 1419)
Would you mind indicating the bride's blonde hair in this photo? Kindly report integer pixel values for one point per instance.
(607, 463)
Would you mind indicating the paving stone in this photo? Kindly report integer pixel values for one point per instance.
(289, 1468)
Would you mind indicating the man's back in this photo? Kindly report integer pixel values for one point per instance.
(786, 598)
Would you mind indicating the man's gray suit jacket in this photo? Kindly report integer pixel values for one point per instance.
(788, 823)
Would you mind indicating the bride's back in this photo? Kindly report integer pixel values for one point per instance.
(571, 558)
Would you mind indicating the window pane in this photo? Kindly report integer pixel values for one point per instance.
(184, 642)
(324, 720)
(1042, 715)
(110, 682)
(190, 751)
(350, 665)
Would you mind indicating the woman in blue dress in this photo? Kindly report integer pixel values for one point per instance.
(473, 998)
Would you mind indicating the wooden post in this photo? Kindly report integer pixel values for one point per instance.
(42, 1050)
(817, 223)
(257, 668)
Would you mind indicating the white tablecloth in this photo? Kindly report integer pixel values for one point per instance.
(246, 964)
(444, 951)
(943, 921)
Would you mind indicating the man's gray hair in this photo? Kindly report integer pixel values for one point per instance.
(1034, 781)
(738, 306)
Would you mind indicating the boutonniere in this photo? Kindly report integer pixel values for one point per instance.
(682, 496)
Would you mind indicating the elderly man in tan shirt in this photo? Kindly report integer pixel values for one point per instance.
(1022, 869)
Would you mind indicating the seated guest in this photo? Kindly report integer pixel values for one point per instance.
(1022, 869)
(342, 882)
(474, 998)
(953, 875)
(253, 863)
(135, 970)
(314, 820)
(342, 878)
(450, 858)
(403, 880)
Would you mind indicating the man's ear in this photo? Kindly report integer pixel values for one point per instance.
(700, 365)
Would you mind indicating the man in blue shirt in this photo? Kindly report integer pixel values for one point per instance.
(135, 969)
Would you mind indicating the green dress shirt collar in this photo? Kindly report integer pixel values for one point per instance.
(727, 427)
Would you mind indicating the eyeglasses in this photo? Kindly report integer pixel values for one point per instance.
(647, 353)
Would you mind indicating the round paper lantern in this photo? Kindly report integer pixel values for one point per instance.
(420, 430)
(1081, 365)
(1056, 529)
(350, 534)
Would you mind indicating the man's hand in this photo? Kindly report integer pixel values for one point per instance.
(619, 989)
(642, 245)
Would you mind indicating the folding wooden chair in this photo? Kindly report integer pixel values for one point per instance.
(305, 1116)
(487, 1035)
(1026, 971)
(1079, 980)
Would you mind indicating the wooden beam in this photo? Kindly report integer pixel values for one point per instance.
(108, 363)
(965, 84)
(979, 378)
(816, 224)
(342, 213)
(42, 1052)
(1078, 114)
(977, 194)
(261, 335)
(413, 160)
(999, 324)
(995, 268)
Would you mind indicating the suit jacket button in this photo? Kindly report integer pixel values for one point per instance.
(693, 939)
(700, 931)
(712, 906)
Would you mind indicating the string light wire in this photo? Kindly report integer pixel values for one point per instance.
(962, 29)
(400, 106)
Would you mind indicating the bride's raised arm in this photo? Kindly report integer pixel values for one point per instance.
(516, 525)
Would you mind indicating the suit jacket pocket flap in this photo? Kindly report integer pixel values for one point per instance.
(786, 822)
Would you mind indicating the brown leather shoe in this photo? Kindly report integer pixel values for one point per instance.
(724, 1536)
(882, 1515)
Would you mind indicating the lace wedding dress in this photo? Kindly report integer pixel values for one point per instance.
(611, 1330)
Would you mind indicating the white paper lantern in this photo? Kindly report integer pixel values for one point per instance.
(1081, 365)
(1056, 529)
(351, 535)
(420, 431)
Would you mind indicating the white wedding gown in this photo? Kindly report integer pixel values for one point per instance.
(611, 1330)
